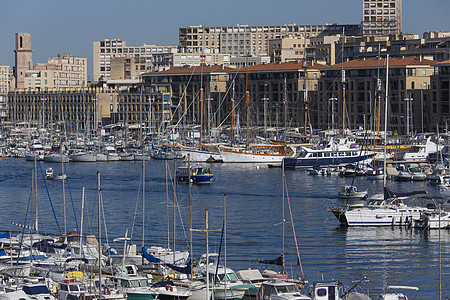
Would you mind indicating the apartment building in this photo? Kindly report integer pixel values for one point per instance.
(4, 79)
(288, 49)
(242, 40)
(381, 17)
(409, 78)
(143, 57)
(197, 59)
(265, 84)
(4, 88)
(62, 71)
(439, 97)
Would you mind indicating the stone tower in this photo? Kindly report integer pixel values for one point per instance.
(23, 57)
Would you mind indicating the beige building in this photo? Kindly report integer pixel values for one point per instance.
(382, 17)
(288, 49)
(242, 40)
(323, 49)
(143, 58)
(207, 59)
(4, 79)
(63, 71)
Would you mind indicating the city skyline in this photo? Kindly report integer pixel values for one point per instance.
(71, 27)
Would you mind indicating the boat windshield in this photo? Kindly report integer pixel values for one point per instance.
(135, 283)
(292, 288)
(229, 277)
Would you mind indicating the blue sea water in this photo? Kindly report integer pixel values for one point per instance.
(253, 196)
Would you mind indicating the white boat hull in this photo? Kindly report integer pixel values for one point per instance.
(248, 157)
(199, 156)
(84, 158)
(56, 158)
(382, 216)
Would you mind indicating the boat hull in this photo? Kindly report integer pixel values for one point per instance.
(296, 162)
(248, 157)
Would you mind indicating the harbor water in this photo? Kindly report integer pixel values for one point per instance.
(253, 197)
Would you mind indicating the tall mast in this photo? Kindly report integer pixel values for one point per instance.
(190, 216)
(99, 237)
(385, 118)
(285, 110)
(378, 92)
(246, 101)
(201, 103)
(232, 116)
(343, 83)
(283, 220)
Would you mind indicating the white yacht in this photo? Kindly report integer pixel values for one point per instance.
(280, 290)
(382, 210)
(420, 152)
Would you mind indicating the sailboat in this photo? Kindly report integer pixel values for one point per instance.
(258, 153)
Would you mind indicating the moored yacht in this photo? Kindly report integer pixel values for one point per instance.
(382, 210)
(343, 151)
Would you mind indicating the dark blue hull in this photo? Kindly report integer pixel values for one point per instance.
(297, 162)
(196, 179)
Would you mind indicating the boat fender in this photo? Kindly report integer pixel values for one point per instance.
(169, 288)
(106, 291)
(82, 297)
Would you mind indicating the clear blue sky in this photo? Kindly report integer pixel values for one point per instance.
(71, 26)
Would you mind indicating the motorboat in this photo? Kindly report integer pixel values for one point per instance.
(331, 153)
(396, 295)
(351, 195)
(111, 154)
(382, 210)
(334, 290)
(198, 175)
(277, 289)
(316, 170)
(420, 152)
(50, 175)
(375, 174)
(74, 288)
(433, 220)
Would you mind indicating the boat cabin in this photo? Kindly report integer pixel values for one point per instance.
(331, 290)
(278, 289)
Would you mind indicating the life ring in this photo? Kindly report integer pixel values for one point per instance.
(169, 288)
(106, 291)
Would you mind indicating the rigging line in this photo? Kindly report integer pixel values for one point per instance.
(182, 95)
(104, 219)
(187, 108)
(235, 106)
(49, 198)
(226, 94)
(293, 228)
(136, 207)
(178, 208)
(64, 171)
(23, 233)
